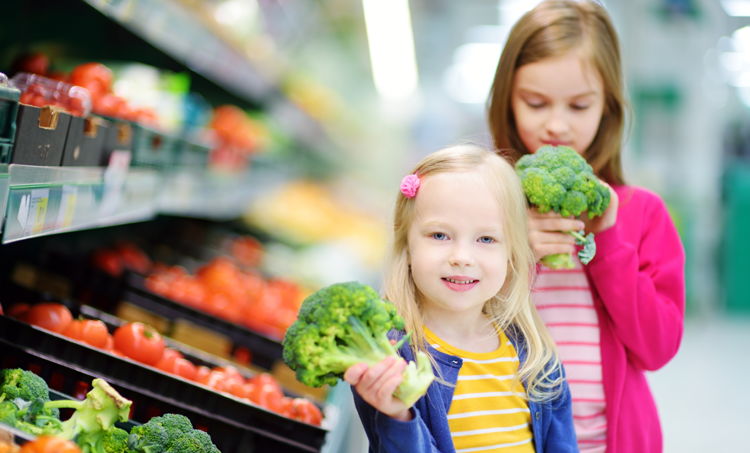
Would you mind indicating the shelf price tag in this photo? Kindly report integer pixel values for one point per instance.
(67, 206)
(33, 211)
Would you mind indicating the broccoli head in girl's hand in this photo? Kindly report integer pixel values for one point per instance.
(557, 178)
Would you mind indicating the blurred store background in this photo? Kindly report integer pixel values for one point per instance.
(337, 99)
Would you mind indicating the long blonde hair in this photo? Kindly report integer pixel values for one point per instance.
(555, 28)
(511, 308)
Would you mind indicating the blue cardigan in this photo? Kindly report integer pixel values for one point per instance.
(428, 431)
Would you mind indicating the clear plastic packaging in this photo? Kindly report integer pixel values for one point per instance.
(41, 91)
(3, 79)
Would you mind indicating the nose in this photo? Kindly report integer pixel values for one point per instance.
(461, 255)
(557, 123)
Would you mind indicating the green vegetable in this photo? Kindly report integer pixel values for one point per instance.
(8, 413)
(93, 417)
(113, 440)
(345, 324)
(169, 433)
(558, 178)
(18, 383)
(148, 438)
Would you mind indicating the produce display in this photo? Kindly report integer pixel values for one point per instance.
(223, 289)
(345, 324)
(142, 343)
(25, 405)
(557, 178)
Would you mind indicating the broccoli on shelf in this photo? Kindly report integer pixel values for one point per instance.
(8, 413)
(113, 440)
(345, 324)
(17, 383)
(558, 178)
(167, 434)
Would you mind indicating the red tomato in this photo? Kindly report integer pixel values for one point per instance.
(201, 373)
(212, 379)
(94, 333)
(108, 105)
(50, 316)
(47, 444)
(18, 311)
(266, 379)
(247, 250)
(267, 396)
(117, 353)
(231, 372)
(134, 258)
(306, 411)
(244, 390)
(287, 407)
(108, 261)
(90, 331)
(243, 356)
(171, 352)
(110, 346)
(140, 342)
(95, 77)
(35, 63)
(178, 366)
(74, 330)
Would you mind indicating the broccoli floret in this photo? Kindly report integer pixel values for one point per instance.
(148, 438)
(113, 440)
(558, 178)
(205, 440)
(186, 444)
(175, 425)
(18, 383)
(345, 324)
(8, 412)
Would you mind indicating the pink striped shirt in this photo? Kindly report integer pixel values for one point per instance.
(564, 301)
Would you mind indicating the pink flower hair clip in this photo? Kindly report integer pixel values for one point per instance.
(409, 185)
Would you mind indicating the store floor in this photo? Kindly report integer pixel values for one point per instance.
(702, 394)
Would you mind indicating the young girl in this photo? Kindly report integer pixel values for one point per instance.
(459, 272)
(559, 82)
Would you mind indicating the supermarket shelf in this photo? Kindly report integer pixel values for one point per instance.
(208, 194)
(148, 386)
(178, 31)
(50, 200)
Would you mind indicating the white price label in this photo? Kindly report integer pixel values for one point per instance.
(33, 211)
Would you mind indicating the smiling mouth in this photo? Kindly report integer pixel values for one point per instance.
(460, 282)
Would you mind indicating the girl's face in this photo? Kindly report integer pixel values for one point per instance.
(457, 249)
(558, 101)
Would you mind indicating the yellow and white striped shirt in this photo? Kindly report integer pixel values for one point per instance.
(486, 415)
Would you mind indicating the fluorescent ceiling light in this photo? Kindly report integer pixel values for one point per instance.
(738, 8)
(389, 33)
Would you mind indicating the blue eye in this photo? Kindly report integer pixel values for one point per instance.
(439, 236)
(486, 240)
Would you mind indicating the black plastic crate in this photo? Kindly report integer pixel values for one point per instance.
(266, 350)
(119, 137)
(40, 136)
(85, 142)
(229, 420)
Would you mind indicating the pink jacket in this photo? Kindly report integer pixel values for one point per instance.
(638, 283)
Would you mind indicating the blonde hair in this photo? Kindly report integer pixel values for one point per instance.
(511, 308)
(555, 28)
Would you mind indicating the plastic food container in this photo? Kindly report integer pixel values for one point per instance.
(41, 91)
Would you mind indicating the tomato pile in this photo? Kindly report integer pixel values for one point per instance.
(144, 344)
(123, 255)
(223, 289)
(237, 136)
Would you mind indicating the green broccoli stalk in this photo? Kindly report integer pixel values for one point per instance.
(93, 416)
(345, 324)
(558, 178)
